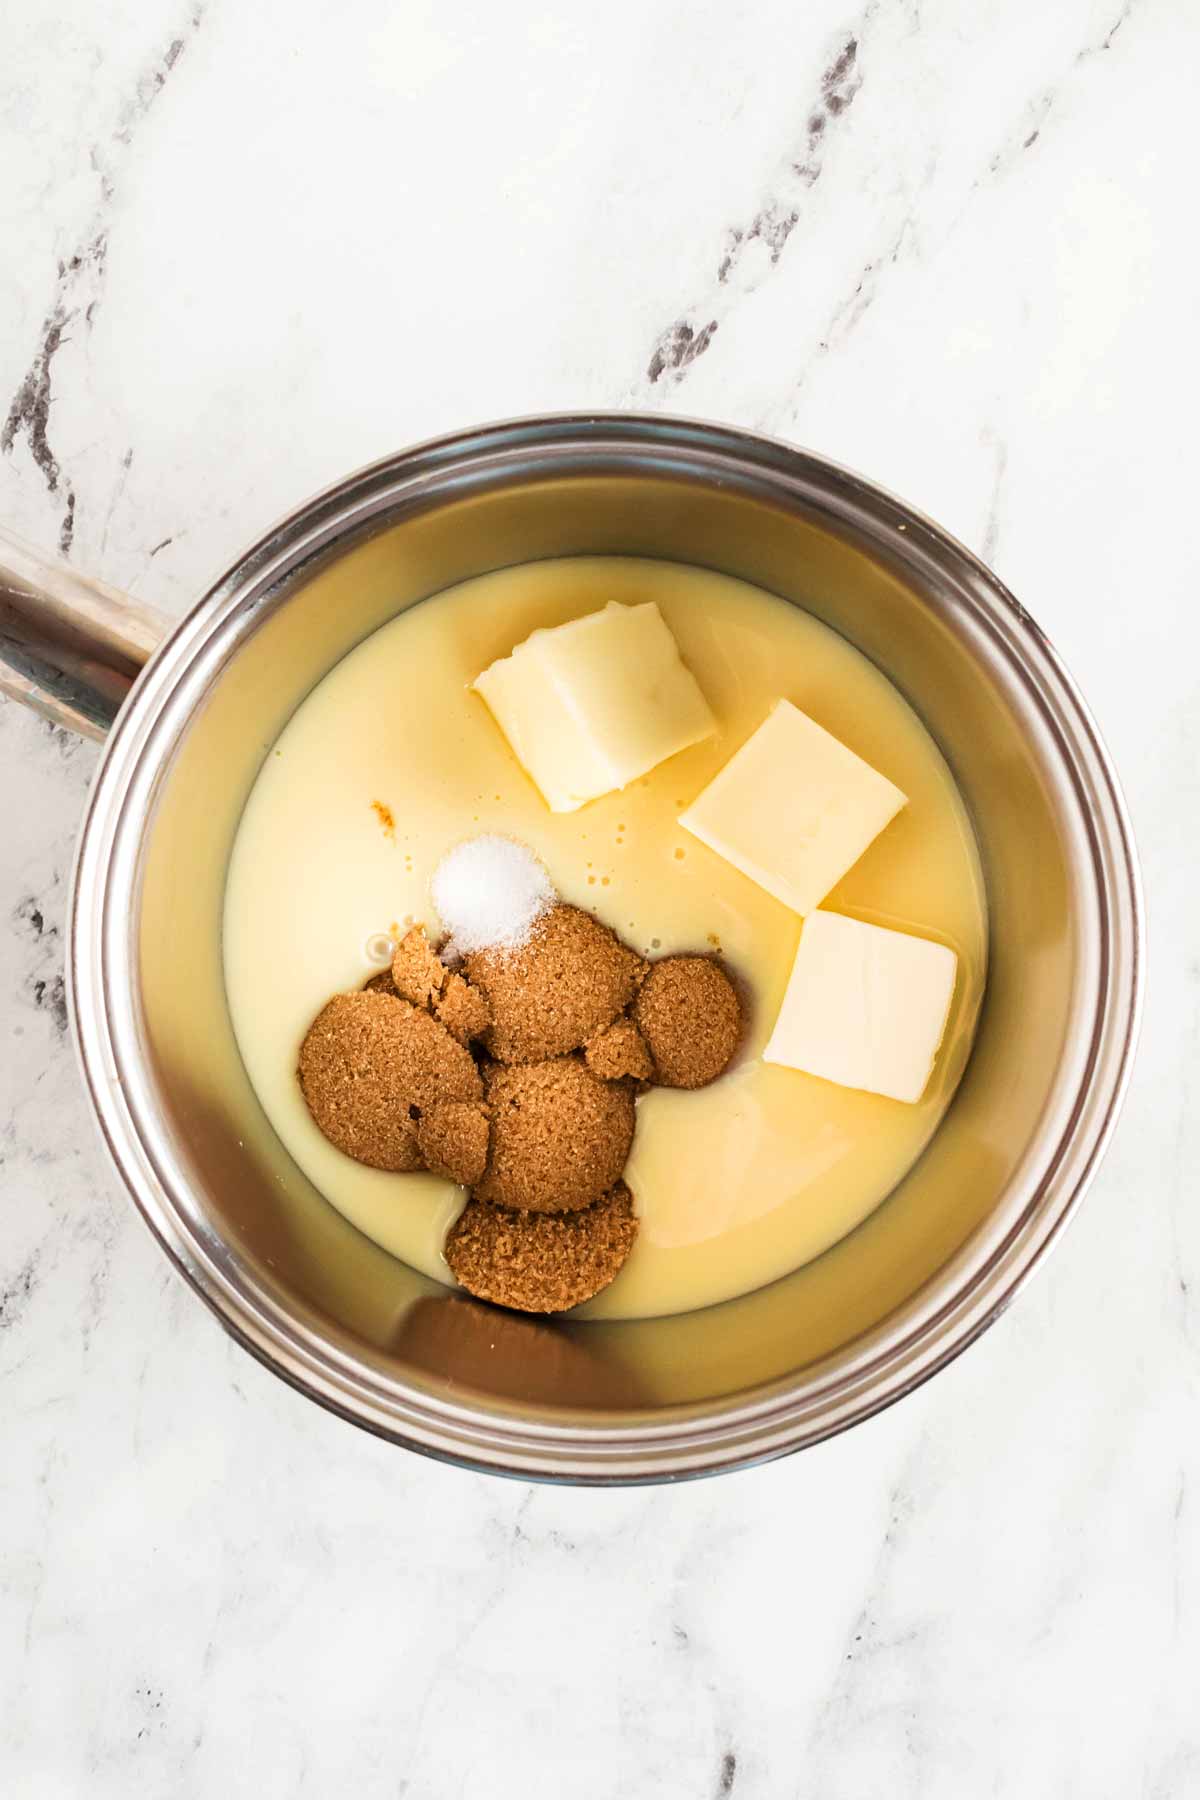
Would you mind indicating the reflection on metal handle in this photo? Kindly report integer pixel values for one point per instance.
(70, 648)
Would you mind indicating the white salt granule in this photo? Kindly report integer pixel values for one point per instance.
(489, 892)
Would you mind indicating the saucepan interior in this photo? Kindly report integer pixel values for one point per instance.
(618, 1401)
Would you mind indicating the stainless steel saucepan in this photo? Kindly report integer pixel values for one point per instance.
(297, 1285)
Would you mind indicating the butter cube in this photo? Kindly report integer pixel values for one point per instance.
(793, 808)
(591, 705)
(865, 1007)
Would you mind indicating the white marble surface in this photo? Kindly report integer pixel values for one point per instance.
(247, 247)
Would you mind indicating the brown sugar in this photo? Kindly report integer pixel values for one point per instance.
(462, 1009)
(417, 970)
(619, 1051)
(688, 1011)
(538, 1122)
(571, 979)
(370, 1065)
(453, 1140)
(560, 1136)
(542, 1262)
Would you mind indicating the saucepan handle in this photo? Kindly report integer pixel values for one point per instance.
(70, 648)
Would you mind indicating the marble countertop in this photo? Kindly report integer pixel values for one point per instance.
(249, 247)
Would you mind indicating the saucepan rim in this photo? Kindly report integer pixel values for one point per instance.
(302, 1348)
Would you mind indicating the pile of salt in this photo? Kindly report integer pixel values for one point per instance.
(489, 893)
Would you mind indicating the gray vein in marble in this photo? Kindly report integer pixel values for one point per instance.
(52, 995)
(77, 293)
(1026, 134)
(847, 313)
(774, 222)
(101, 1232)
(44, 982)
(48, 1507)
(28, 913)
(67, 743)
(115, 498)
(843, 318)
(1177, 1778)
(991, 525)
(678, 346)
(15, 1291)
(740, 269)
(843, 1708)
(29, 412)
(701, 1654)
(1106, 42)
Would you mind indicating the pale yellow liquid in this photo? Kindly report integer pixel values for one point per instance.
(737, 1184)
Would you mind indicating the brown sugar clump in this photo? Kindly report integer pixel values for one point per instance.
(417, 970)
(381, 984)
(560, 1136)
(462, 1009)
(453, 1140)
(370, 1066)
(688, 1011)
(567, 982)
(539, 1262)
(618, 1051)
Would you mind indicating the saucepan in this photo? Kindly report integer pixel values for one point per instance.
(189, 714)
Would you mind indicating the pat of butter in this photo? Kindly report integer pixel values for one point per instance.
(865, 1007)
(591, 705)
(793, 808)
